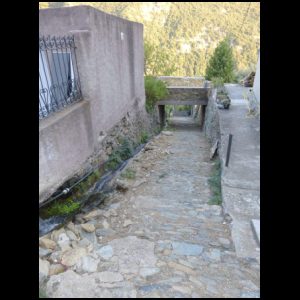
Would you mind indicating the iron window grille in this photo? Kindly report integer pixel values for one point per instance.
(59, 83)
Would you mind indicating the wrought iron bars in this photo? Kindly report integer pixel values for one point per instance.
(59, 83)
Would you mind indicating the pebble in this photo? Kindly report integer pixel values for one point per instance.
(88, 227)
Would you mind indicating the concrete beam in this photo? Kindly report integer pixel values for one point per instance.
(183, 102)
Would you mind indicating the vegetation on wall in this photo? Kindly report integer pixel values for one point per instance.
(180, 37)
(155, 90)
(215, 184)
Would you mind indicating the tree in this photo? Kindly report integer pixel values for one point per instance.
(157, 61)
(222, 63)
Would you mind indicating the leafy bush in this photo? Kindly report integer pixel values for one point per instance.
(155, 90)
(221, 64)
(183, 108)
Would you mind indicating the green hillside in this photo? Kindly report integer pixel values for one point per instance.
(181, 36)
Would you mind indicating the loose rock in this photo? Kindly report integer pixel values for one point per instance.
(88, 227)
(43, 269)
(47, 243)
(56, 269)
(71, 257)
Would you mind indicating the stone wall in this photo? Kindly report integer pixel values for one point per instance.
(110, 58)
(183, 81)
(211, 122)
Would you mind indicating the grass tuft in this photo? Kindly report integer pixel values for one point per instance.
(215, 184)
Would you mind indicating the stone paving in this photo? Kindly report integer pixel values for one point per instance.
(156, 236)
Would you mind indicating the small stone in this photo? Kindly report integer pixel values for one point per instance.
(149, 147)
(138, 183)
(71, 257)
(181, 268)
(44, 252)
(147, 272)
(88, 264)
(63, 241)
(105, 224)
(127, 223)
(56, 233)
(122, 185)
(214, 254)
(228, 218)
(106, 214)
(196, 281)
(225, 242)
(55, 257)
(161, 264)
(106, 252)
(110, 276)
(72, 236)
(104, 232)
(47, 243)
(168, 133)
(84, 243)
(88, 227)
(181, 248)
(166, 252)
(43, 269)
(56, 269)
(93, 214)
(181, 289)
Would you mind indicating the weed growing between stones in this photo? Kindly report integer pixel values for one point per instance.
(61, 207)
(215, 184)
(120, 154)
(67, 205)
(129, 174)
(144, 138)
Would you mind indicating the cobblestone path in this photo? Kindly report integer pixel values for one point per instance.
(155, 237)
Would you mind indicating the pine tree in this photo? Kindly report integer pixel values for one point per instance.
(222, 63)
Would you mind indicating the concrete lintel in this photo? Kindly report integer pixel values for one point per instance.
(183, 102)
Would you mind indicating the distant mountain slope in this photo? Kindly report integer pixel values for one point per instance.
(189, 31)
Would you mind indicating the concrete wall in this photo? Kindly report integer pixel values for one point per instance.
(110, 58)
(256, 85)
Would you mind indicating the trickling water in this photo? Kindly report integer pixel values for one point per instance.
(47, 225)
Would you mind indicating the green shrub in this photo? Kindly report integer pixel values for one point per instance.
(222, 63)
(155, 90)
(183, 108)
